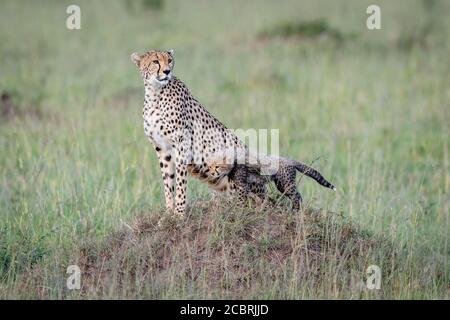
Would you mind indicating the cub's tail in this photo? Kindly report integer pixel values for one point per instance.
(312, 173)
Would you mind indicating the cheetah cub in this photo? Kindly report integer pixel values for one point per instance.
(250, 183)
(184, 134)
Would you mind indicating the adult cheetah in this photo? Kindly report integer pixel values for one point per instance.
(184, 134)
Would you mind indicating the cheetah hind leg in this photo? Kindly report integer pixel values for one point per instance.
(295, 198)
(292, 194)
(285, 183)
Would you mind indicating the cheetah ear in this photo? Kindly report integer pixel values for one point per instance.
(136, 58)
(170, 52)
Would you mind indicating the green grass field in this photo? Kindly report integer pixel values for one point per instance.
(373, 106)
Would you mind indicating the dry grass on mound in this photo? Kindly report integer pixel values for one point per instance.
(220, 251)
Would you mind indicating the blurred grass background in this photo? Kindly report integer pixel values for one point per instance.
(373, 105)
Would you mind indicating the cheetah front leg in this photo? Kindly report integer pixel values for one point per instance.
(181, 183)
(240, 178)
(167, 166)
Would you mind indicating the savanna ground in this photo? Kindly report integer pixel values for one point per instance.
(80, 184)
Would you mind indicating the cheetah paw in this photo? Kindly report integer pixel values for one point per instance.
(179, 216)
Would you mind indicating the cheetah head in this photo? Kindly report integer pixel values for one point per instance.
(221, 167)
(155, 66)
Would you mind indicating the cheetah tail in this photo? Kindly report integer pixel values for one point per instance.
(312, 173)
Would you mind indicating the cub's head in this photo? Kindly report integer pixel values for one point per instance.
(218, 168)
(155, 66)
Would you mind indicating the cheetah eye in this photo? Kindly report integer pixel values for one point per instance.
(155, 61)
(170, 60)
